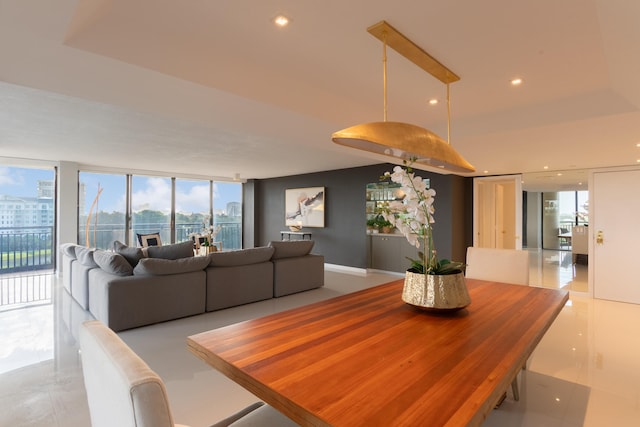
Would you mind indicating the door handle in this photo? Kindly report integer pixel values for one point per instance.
(600, 237)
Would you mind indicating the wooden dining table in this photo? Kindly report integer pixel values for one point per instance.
(368, 359)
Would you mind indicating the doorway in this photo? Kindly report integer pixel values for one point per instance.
(497, 212)
(614, 235)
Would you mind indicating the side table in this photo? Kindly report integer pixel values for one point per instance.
(303, 234)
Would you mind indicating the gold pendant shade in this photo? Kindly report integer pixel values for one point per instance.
(403, 140)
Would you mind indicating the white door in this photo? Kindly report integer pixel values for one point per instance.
(615, 234)
(497, 212)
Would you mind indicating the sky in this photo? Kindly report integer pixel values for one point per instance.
(148, 192)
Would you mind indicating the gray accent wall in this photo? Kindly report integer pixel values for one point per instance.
(343, 240)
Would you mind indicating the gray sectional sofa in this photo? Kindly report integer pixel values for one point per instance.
(128, 287)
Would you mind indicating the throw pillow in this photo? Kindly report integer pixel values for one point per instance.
(163, 267)
(113, 263)
(179, 250)
(132, 255)
(85, 256)
(241, 257)
(146, 240)
(69, 249)
(291, 248)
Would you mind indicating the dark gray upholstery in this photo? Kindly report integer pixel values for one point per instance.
(85, 256)
(163, 267)
(178, 250)
(113, 263)
(80, 281)
(236, 285)
(131, 254)
(68, 253)
(297, 274)
(162, 289)
(295, 269)
(129, 302)
(240, 257)
(291, 248)
(69, 249)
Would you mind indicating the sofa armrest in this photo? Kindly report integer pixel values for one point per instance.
(297, 274)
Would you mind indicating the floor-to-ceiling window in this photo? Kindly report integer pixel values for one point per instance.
(175, 208)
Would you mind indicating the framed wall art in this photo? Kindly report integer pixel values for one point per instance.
(304, 207)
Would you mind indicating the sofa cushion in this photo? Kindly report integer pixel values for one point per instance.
(69, 249)
(85, 256)
(132, 255)
(113, 263)
(179, 250)
(163, 267)
(241, 257)
(291, 248)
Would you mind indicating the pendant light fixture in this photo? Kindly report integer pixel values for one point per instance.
(403, 140)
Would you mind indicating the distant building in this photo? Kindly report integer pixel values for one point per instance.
(46, 190)
(24, 212)
(234, 209)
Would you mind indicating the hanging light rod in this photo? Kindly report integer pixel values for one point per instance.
(403, 140)
(414, 53)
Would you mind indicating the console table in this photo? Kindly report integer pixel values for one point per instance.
(303, 234)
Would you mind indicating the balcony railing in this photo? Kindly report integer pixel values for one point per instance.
(104, 235)
(20, 290)
(25, 249)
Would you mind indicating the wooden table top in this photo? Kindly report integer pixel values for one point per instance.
(367, 358)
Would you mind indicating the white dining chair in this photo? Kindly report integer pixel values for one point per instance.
(499, 265)
(123, 391)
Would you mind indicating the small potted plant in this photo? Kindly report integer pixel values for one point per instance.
(371, 225)
(384, 225)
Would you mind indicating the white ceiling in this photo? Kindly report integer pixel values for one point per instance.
(213, 88)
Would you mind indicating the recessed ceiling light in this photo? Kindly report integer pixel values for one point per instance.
(545, 167)
(516, 81)
(638, 144)
(433, 101)
(486, 171)
(281, 21)
(559, 174)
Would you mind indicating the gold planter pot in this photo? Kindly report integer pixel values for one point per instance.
(436, 292)
(204, 250)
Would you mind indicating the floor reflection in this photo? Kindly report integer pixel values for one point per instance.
(556, 269)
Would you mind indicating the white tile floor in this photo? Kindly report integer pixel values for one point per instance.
(586, 370)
